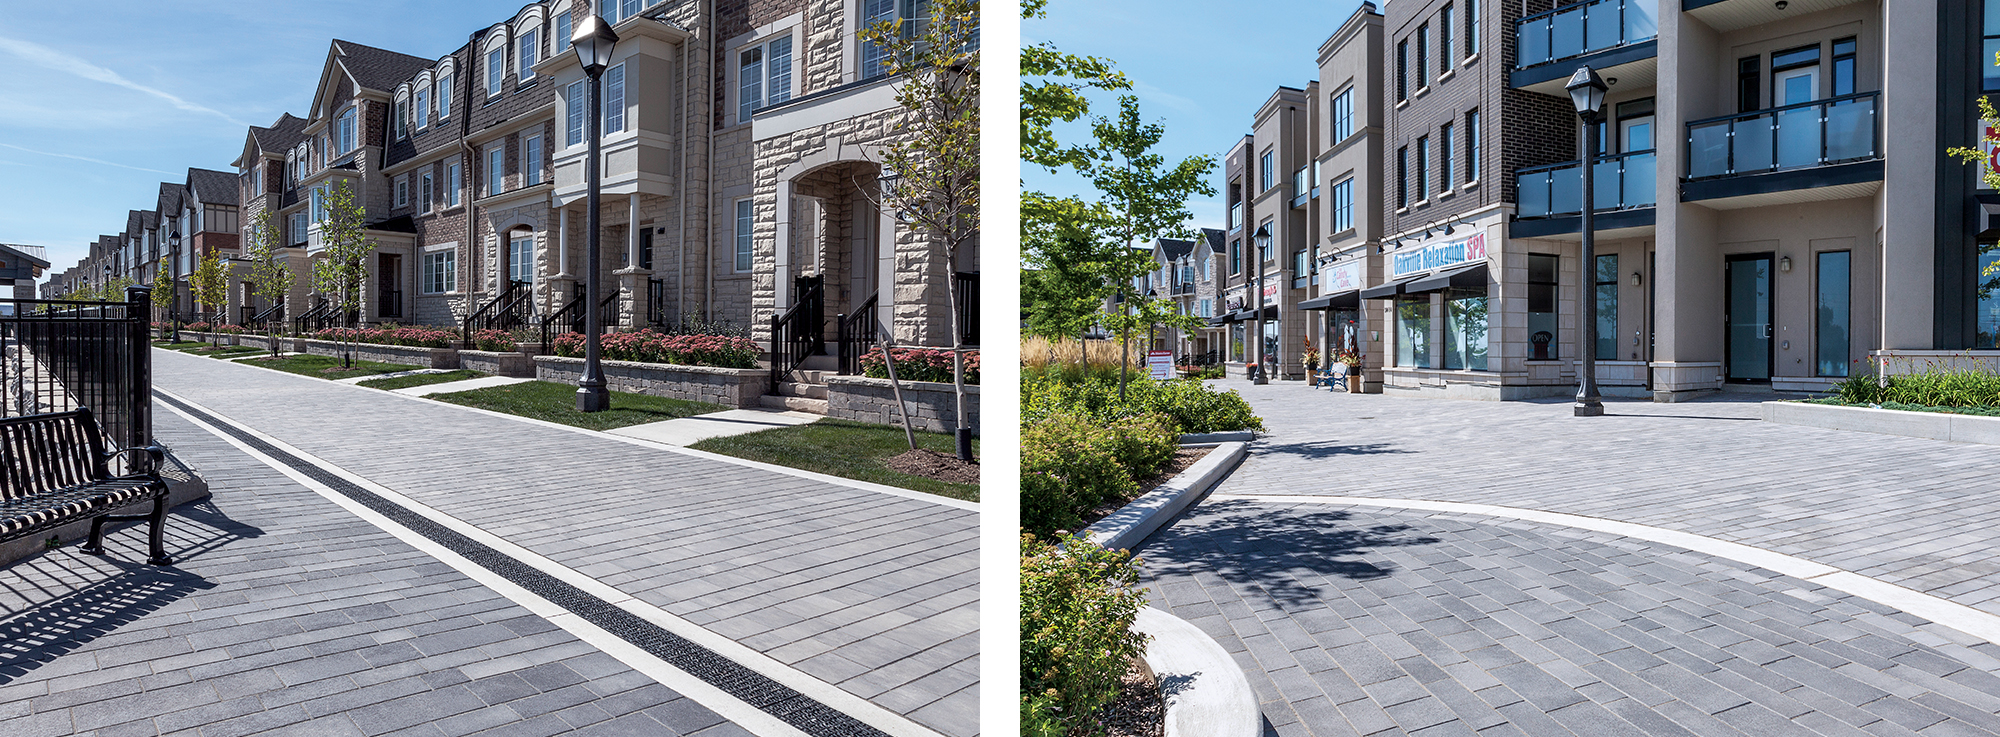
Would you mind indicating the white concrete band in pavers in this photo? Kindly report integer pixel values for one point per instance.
(458, 386)
(772, 467)
(1950, 614)
(1205, 691)
(735, 710)
(1132, 523)
(690, 430)
(1932, 425)
(390, 375)
(1205, 438)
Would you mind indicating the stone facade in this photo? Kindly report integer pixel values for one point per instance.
(497, 363)
(931, 406)
(725, 386)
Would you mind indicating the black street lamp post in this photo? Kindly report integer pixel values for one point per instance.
(1257, 372)
(173, 293)
(593, 42)
(1586, 90)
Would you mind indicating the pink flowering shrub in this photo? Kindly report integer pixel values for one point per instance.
(647, 346)
(199, 327)
(920, 364)
(227, 329)
(494, 340)
(390, 335)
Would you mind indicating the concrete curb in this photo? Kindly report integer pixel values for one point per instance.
(1205, 438)
(1206, 692)
(1131, 524)
(1932, 425)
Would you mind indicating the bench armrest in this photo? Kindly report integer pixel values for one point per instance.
(156, 454)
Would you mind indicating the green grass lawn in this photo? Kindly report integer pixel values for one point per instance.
(326, 367)
(843, 448)
(181, 346)
(546, 400)
(405, 382)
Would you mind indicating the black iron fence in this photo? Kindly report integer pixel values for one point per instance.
(59, 355)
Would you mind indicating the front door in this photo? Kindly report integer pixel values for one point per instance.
(1747, 311)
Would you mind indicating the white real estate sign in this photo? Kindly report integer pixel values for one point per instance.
(1160, 364)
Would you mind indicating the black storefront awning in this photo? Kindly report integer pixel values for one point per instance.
(1989, 215)
(1471, 277)
(1270, 313)
(1387, 291)
(1348, 300)
(1221, 319)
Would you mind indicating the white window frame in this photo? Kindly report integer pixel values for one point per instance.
(1343, 205)
(573, 112)
(518, 268)
(614, 99)
(421, 100)
(344, 129)
(444, 95)
(564, 29)
(452, 183)
(402, 115)
(429, 199)
(496, 171)
(496, 74)
(403, 191)
(440, 265)
(767, 72)
(526, 44)
(745, 234)
(531, 161)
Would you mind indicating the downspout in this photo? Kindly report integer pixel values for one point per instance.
(708, 150)
(466, 81)
(681, 186)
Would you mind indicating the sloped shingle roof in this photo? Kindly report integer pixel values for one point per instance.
(281, 134)
(170, 197)
(1215, 239)
(378, 69)
(1174, 249)
(212, 187)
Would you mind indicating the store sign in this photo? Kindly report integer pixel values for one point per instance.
(1988, 132)
(1271, 288)
(1341, 277)
(1438, 255)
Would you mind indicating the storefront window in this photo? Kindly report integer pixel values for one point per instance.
(1270, 343)
(1236, 342)
(1413, 331)
(1347, 331)
(1989, 294)
(1543, 335)
(1465, 329)
(1607, 307)
(1833, 313)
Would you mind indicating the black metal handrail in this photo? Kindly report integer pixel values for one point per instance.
(570, 318)
(968, 306)
(857, 336)
(1803, 135)
(313, 319)
(61, 355)
(1576, 29)
(1183, 288)
(800, 333)
(262, 320)
(513, 307)
(1623, 181)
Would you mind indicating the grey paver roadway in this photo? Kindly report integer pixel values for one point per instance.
(874, 593)
(1372, 620)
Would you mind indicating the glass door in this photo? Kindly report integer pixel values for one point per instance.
(1747, 283)
(1798, 130)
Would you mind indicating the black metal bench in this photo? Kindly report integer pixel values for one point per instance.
(54, 471)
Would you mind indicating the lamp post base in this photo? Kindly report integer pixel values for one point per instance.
(1589, 409)
(592, 399)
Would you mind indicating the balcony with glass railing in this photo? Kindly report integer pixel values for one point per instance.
(1821, 133)
(1622, 182)
(1584, 29)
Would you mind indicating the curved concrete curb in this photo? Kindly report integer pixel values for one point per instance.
(1205, 438)
(1206, 693)
(1126, 527)
(1933, 425)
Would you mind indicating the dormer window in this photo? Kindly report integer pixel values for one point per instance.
(423, 108)
(402, 117)
(496, 70)
(618, 10)
(529, 40)
(444, 96)
(563, 30)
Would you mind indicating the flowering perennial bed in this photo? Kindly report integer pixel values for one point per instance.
(413, 337)
(494, 340)
(920, 364)
(647, 346)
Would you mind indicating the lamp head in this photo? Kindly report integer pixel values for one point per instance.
(593, 42)
(1586, 91)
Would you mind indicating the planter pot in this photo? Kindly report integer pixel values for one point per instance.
(730, 387)
(932, 406)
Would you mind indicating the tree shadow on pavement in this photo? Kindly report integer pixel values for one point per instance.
(1281, 551)
(1327, 449)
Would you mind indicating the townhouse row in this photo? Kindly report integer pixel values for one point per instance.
(740, 164)
(1419, 202)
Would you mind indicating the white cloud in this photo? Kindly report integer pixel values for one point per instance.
(86, 158)
(49, 58)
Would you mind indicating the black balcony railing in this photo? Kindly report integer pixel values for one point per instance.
(1183, 288)
(1818, 133)
(57, 356)
(1622, 182)
(1584, 28)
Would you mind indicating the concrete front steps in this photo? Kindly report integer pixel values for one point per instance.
(806, 392)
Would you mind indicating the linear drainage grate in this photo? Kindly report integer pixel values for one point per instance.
(755, 689)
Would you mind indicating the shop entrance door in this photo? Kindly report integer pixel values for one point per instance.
(1747, 311)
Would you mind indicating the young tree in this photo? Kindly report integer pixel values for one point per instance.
(934, 165)
(163, 288)
(1989, 175)
(1052, 91)
(210, 285)
(270, 279)
(343, 255)
(1064, 286)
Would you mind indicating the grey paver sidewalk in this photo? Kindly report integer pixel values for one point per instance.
(286, 613)
(874, 593)
(1918, 513)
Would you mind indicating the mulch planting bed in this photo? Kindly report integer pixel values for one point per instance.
(1139, 710)
(935, 465)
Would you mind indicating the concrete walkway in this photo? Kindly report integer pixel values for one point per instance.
(391, 375)
(864, 603)
(467, 385)
(690, 430)
(1355, 619)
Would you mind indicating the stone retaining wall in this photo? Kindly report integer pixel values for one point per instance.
(725, 386)
(439, 358)
(507, 363)
(932, 406)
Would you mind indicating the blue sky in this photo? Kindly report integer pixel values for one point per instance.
(1199, 68)
(100, 102)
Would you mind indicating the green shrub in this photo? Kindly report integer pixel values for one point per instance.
(1078, 602)
(1858, 389)
(1069, 465)
(1142, 444)
(1935, 387)
(1191, 406)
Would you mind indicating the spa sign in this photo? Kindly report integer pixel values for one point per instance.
(1341, 277)
(1439, 255)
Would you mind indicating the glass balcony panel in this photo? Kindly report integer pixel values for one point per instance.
(1850, 130)
(1642, 19)
(1639, 180)
(1708, 150)
(1566, 33)
(1601, 26)
(1798, 137)
(1608, 185)
(1532, 42)
(1566, 191)
(1752, 145)
(1534, 189)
